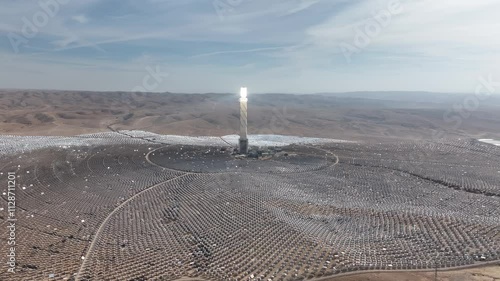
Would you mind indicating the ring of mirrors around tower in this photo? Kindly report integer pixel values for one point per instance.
(273, 160)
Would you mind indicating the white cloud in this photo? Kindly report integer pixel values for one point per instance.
(80, 18)
(424, 24)
(241, 51)
(303, 5)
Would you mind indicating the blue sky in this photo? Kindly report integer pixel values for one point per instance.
(296, 46)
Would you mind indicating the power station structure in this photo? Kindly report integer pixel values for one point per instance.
(243, 121)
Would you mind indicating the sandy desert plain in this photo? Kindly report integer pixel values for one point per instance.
(143, 186)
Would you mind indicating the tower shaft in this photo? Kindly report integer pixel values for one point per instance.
(243, 126)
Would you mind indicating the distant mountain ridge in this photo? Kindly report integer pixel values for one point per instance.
(339, 116)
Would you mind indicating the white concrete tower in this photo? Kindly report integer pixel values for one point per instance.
(243, 121)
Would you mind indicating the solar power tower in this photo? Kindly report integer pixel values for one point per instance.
(243, 121)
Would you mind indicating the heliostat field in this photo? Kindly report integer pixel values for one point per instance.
(138, 206)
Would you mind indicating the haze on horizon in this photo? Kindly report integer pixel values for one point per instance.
(296, 46)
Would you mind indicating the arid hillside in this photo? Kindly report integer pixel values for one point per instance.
(354, 115)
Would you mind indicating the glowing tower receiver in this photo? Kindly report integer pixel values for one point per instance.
(243, 121)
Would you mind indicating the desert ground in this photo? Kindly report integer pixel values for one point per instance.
(478, 274)
(340, 116)
(401, 186)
